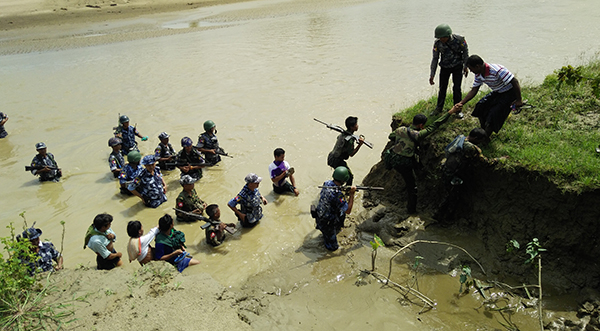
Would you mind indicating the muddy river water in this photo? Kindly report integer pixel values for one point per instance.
(261, 70)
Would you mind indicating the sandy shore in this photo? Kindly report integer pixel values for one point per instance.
(42, 25)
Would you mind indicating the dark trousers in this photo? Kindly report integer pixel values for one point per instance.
(445, 73)
(493, 109)
(408, 174)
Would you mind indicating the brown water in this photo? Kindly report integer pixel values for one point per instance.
(262, 70)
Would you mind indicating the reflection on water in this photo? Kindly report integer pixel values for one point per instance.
(269, 69)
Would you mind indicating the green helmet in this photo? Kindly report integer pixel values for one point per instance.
(123, 119)
(341, 174)
(443, 30)
(209, 125)
(134, 156)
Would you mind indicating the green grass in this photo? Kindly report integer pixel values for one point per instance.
(557, 138)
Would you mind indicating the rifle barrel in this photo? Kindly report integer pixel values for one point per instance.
(358, 188)
(340, 130)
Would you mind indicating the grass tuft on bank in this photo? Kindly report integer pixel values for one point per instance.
(557, 138)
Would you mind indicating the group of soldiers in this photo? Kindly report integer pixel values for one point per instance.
(141, 176)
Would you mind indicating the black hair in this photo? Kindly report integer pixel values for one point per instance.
(133, 229)
(164, 223)
(419, 119)
(478, 134)
(211, 210)
(474, 60)
(278, 152)
(351, 122)
(102, 220)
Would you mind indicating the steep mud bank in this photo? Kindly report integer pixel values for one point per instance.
(493, 206)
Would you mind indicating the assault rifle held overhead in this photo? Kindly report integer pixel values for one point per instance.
(340, 130)
(208, 221)
(29, 168)
(358, 188)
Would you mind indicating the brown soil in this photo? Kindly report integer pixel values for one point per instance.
(493, 206)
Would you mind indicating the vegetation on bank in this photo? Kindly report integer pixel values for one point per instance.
(557, 138)
(23, 296)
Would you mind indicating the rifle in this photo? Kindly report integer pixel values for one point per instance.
(182, 164)
(358, 188)
(118, 121)
(208, 221)
(340, 130)
(220, 151)
(29, 168)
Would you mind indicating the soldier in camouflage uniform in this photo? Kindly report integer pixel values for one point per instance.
(127, 134)
(189, 160)
(454, 52)
(164, 152)
(344, 147)
(46, 166)
(250, 201)
(3, 119)
(403, 155)
(208, 143)
(149, 184)
(130, 171)
(188, 200)
(116, 161)
(333, 207)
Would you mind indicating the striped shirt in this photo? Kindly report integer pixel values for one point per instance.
(496, 77)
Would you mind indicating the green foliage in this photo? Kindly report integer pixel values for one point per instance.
(533, 248)
(417, 261)
(22, 298)
(557, 138)
(377, 242)
(512, 245)
(465, 274)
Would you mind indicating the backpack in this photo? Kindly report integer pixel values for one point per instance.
(454, 156)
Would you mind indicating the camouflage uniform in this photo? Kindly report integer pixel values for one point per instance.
(3, 132)
(454, 55)
(344, 146)
(250, 204)
(331, 214)
(188, 202)
(116, 161)
(163, 151)
(195, 158)
(150, 187)
(128, 138)
(208, 141)
(48, 160)
(402, 156)
(127, 175)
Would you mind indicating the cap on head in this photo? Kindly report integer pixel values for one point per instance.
(443, 30)
(341, 174)
(186, 141)
(148, 159)
(163, 135)
(253, 178)
(32, 233)
(40, 146)
(134, 156)
(114, 141)
(123, 119)
(209, 125)
(187, 180)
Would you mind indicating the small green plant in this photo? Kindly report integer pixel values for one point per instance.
(465, 274)
(109, 292)
(375, 244)
(533, 249)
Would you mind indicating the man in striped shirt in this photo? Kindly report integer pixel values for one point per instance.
(493, 109)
